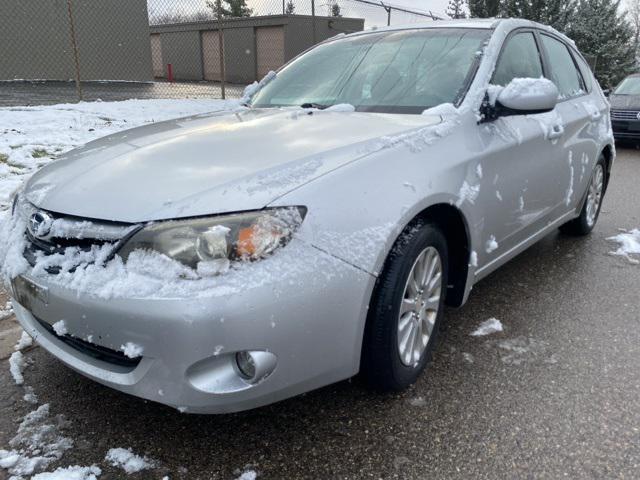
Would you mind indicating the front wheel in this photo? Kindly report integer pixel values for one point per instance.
(583, 225)
(406, 309)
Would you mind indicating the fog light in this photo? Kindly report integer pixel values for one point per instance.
(246, 365)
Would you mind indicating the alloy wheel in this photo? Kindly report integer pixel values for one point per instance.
(419, 307)
(594, 197)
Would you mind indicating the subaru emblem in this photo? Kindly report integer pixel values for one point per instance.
(39, 224)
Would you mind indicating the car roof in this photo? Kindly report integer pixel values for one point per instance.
(475, 23)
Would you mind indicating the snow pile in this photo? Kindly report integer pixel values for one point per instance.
(37, 443)
(491, 244)
(341, 107)
(473, 259)
(24, 342)
(251, 90)
(31, 137)
(519, 87)
(629, 245)
(467, 193)
(127, 460)
(132, 350)
(16, 367)
(30, 396)
(70, 473)
(60, 327)
(248, 475)
(493, 325)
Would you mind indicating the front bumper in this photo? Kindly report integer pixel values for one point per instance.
(626, 129)
(310, 314)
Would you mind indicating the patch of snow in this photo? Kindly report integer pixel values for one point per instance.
(629, 244)
(127, 460)
(498, 195)
(488, 327)
(16, 367)
(248, 475)
(473, 259)
(569, 194)
(479, 170)
(447, 109)
(341, 107)
(409, 185)
(467, 193)
(252, 89)
(37, 443)
(525, 86)
(70, 473)
(468, 357)
(60, 327)
(491, 244)
(418, 402)
(24, 342)
(132, 350)
(30, 396)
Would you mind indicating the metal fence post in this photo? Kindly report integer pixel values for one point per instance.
(74, 46)
(313, 19)
(221, 51)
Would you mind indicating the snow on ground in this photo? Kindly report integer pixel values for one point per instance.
(37, 443)
(629, 244)
(488, 327)
(248, 475)
(127, 460)
(24, 342)
(16, 367)
(70, 473)
(31, 137)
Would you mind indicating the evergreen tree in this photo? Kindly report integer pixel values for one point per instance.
(290, 8)
(229, 8)
(484, 8)
(335, 10)
(602, 32)
(556, 13)
(456, 9)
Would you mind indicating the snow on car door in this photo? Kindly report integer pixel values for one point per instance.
(520, 160)
(579, 113)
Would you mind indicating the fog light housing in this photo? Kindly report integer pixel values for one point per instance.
(246, 365)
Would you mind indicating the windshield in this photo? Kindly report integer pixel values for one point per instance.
(392, 72)
(629, 86)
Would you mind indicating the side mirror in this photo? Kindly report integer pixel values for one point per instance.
(526, 96)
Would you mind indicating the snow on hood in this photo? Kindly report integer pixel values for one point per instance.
(211, 163)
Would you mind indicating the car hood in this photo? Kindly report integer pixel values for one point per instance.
(631, 102)
(207, 164)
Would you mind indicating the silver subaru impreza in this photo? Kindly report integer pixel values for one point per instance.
(225, 261)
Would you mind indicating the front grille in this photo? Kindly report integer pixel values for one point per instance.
(36, 248)
(107, 355)
(625, 114)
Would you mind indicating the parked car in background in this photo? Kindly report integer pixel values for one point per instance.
(625, 109)
(225, 261)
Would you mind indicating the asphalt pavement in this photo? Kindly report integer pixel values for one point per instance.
(555, 395)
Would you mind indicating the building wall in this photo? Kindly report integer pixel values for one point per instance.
(112, 38)
(184, 52)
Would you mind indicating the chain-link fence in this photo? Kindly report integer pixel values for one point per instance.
(65, 50)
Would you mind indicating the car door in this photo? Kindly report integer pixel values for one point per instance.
(521, 192)
(580, 116)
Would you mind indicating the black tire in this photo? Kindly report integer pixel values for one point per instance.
(381, 365)
(580, 226)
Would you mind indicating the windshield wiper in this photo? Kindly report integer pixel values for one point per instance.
(319, 106)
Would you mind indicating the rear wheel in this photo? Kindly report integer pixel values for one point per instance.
(583, 225)
(406, 309)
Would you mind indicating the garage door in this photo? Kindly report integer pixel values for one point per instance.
(270, 49)
(211, 56)
(156, 56)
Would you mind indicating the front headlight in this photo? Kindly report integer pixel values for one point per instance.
(208, 245)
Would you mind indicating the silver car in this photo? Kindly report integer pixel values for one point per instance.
(226, 261)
